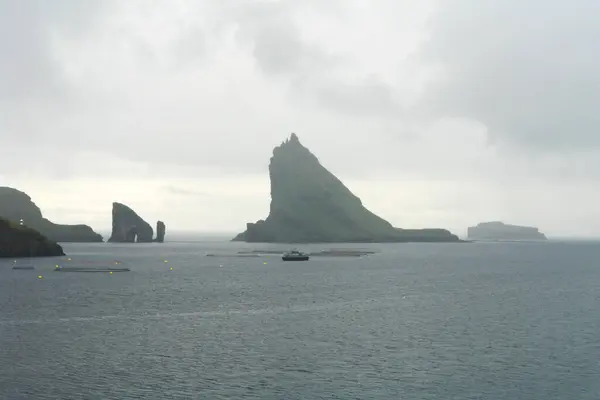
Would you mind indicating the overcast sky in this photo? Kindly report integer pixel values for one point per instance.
(436, 113)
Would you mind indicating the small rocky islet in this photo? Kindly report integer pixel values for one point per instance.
(129, 227)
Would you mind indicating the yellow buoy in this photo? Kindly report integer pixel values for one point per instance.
(171, 269)
(265, 263)
(166, 261)
(110, 272)
(39, 277)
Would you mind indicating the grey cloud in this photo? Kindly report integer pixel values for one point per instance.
(150, 116)
(33, 81)
(153, 115)
(190, 47)
(27, 30)
(280, 50)
(276, 41)
(527, 70)
(369, 97)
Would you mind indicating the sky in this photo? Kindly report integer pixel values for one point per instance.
(436, 113)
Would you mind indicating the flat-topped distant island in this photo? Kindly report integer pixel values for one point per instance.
(497, 230)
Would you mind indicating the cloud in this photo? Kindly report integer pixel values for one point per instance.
(370, 96)
(32, 74)
(526, 70)
(192, 85)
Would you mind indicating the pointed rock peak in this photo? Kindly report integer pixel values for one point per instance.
(311, 205)
(292, 141)
(292, 147)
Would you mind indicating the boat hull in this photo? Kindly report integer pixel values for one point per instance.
(295, 258)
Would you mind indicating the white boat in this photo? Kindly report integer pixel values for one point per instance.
(295, 255)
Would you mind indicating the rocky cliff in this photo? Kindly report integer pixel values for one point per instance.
(160, 232)
(20, 241)
(16, 205)
(310, 205)
(497, 230)
(128, 227)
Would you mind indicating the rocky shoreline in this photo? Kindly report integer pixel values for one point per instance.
(19, 241)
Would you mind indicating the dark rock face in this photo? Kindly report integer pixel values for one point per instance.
(16, 205)
(497, 230)
(128, 227)
(21, 241)
(160, 232)
(310, 205)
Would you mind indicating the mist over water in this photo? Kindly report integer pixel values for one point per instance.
(424, 321)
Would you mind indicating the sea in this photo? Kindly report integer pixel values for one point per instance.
(493, 321)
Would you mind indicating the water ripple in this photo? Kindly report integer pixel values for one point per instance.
(494, 322)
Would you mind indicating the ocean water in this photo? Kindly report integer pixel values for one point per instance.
(415, 321)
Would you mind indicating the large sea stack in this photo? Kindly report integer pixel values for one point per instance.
(497, 230)
(21, 241)
(16, 206)
(128, 227)
(310, 205)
